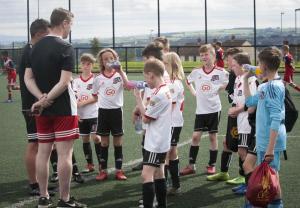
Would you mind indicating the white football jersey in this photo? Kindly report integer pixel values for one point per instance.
(159, 110)
(146, 99)
(177, 94)
(109, 91)
(83, 90)
(243, 125)
(207, 87)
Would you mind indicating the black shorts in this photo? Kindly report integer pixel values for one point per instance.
(88, 126)
(252, 146)
(244, 140)
(31, 128)
(207, 122)
(175, 131)
(231, 137)
(154, 159)
(110, 121)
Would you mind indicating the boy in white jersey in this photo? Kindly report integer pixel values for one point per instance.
(87, 111)
(158, 116)
(208, 80)
(175, 70)
(152, 50)
(108, 89)
(241, 113)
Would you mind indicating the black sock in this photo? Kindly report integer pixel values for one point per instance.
(247, 177)
(118, 157)
(161, 192)
(74, 164)
(166, 172)
(174, 172)
(193, 154)
(87, 150)
(241, 171)
(225, 161)
(98, 151)
(104, 157)
(53, 160)
(213, 154)
(148, 194)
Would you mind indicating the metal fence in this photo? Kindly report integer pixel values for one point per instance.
(131, 56)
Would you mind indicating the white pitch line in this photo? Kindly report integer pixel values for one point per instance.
(110, 170)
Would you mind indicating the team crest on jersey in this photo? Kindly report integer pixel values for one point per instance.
(261, 95)
(214, 78)
(89, 86)
(240, 93)
(116, 80)
(110, 91)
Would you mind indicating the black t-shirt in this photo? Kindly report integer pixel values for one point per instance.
(49, 57)
(26, 97)
(230, 85)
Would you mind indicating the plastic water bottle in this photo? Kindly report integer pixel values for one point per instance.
(138, 125)
(140, 85)
(253, 69)
(114, 64)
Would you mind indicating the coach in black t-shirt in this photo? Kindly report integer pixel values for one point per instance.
(38, 29)
(50, 72)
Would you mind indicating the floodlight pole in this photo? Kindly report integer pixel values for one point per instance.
(296, 10)
(281, 13)
(113, 23)
(28, 36)
(38, 9)
(70, 34)
(158, 18)
(254, 29)
(205, 12)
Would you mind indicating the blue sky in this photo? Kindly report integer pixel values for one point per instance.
(133, 17)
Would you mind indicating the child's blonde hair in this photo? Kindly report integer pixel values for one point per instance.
(99, 57)
(207, 48)
(174, 67)
(87, 57)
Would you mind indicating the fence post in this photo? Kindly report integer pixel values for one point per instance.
(126, 60)
(76, 55)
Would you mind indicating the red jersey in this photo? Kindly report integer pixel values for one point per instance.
(219, 58)
(288, 60)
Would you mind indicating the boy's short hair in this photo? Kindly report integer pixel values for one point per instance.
(242, 58)
(285, 48)
(155, 66)
(232, 51)
(59, 15)
(219, 43)
(153, 49)
(164, 41)
(270, 57)
(207, 48)
(87, 57)
(39, 25)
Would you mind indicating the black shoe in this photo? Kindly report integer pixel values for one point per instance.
(138, 167)
(71, 203)
(77, 177)
(34, 189)
(54, 178)
(44, 202)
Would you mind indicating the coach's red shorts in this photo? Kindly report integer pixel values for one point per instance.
(57, 128)
(12, 77)
(288, 76)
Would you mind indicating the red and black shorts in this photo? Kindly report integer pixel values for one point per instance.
(31, 128)
(11, 77)
(57, 128)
